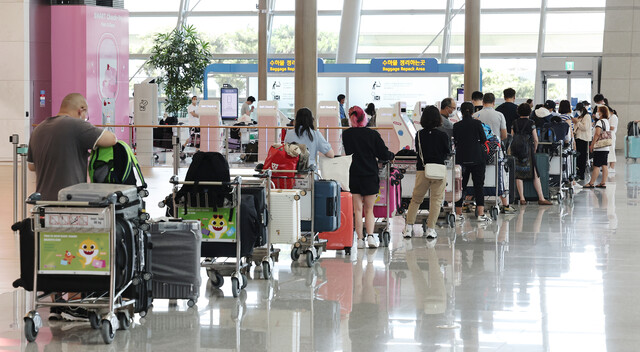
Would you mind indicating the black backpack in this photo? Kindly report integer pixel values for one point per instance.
(521, 144)
(205, 166)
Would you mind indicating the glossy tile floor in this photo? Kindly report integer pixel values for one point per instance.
(558, 278)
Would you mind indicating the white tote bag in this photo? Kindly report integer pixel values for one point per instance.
(336, 169)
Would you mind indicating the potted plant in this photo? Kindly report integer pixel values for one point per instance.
(182, 56)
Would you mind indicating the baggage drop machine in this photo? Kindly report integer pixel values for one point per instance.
(404, 132)
(268, 115)
(212, 139)
(328, 114)
(416, 115)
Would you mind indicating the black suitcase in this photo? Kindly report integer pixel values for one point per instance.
(249, 230)
(511, 167)
(176, 279)
(260, 201)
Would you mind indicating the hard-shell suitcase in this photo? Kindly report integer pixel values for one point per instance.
(632, 147)
(128, 204)
(175, 265)
(542, 162)
(284, 226)
(326, 207)
(394, 185)
(260, 199)
(342, 238)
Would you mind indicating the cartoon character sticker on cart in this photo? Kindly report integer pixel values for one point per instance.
(68, 257)
(218, 227)
(89, 252)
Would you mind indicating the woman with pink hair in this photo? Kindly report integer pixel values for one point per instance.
(366, 147)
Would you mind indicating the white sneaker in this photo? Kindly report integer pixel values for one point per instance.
(484, 218)
(361, 243)
(431, 233)
(459, 219)
(372, 242)
(408, 231)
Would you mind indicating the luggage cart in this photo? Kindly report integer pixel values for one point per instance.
(108, 309)
(217, 268)
(562, 170)
(381, 224)
(453, 190)
(309, 243)
(497, 185)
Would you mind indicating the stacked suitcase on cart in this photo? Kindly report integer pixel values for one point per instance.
(632, 141)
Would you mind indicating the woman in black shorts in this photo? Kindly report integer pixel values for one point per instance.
(600, 155)
(366, 146)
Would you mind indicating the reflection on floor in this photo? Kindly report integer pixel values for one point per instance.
(558, 278)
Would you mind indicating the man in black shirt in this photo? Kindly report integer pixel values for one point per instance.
(476, 99)
(509, 109)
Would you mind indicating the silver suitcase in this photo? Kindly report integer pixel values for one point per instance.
(127, 197)
(175, 263)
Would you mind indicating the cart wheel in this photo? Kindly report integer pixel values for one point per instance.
(309, 257)
(124, 321)
(94, 319)
(191, 303)
(347, 250)
(217, 280)
(245, 281)
(451, 220)
(107, 331)
(235, 287)
(559, 195)
(571, 192)
(143, 313)
(295, 254)
(494, 213)
(266, 270)
(387, 238)
(30, 331)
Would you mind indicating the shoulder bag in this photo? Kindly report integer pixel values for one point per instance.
(604, 140)
(432, 171)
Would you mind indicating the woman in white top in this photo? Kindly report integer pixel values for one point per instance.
(582, 128)
(305, 133)
(600, 154)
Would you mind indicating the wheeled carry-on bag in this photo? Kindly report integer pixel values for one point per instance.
(326, 207)
(395, 193)
(632, 147)
(175, 265)
(342, 238)
(285, 216)
(542, 162)
(260, 200)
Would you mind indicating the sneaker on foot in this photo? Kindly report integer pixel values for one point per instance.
(484, 218)
(372, 242)
(508, 210)
(54, 313)
(431, 233)
(459, 219)
(408, 231)
(361, 243)
(75, 314)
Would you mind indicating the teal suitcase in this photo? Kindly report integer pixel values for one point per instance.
(632, 147)
(542, 161)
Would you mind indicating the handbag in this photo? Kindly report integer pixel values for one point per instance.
(336, 169)
(604, 140)
(279, 159)
(432, 170)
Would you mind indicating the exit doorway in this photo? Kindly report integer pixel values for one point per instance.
(574, 86)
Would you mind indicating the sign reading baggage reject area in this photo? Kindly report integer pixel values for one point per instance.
(404, 65)
(74, 253)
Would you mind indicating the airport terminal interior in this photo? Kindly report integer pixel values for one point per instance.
(529, 277)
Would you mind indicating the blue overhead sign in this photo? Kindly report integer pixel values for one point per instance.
(404, 65)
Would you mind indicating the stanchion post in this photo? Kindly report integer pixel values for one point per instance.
(226, 140)
(15, 139)
(23, 185)
(176, 152)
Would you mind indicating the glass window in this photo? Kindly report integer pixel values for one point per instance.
(509, 33)
(143, 29)
(404, 5)
(400, 34)
(499, 74)
(236, 5)
(229, 35)
(283, 34)
(324, 5)
(573, 3)
(152, 5)
(502, 4)
(574, 32)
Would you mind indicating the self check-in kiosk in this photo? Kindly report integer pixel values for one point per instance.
(212, 139)
(403, 134)
(417, 114)
(145, 112)
(268, 116)
(329, 116)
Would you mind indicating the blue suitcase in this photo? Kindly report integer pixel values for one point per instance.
(326, 207)
(632, 147)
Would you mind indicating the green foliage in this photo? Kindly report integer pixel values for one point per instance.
(497, 81)
(182, 56)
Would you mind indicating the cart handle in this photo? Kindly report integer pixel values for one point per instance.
(236, 181)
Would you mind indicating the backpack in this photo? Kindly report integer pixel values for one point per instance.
(521, 144)
(115, 164)
(205, 166)
(632, 129)
(554, 132)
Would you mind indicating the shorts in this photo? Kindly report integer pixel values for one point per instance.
(364, 185)
(600, 158)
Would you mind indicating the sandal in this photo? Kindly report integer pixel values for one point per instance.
(588, 185)
(602, 185)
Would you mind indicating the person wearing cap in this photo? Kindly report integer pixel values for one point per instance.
(551, 106)
(366, 147)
